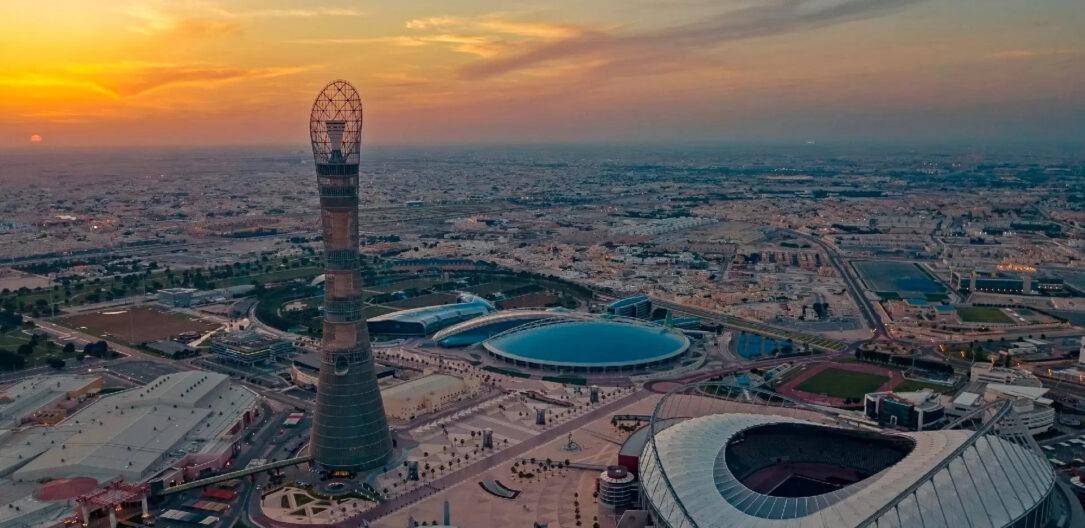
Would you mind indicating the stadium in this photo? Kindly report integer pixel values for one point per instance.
(417, 322)
(588, 344)
(477, 330)
(721, 455)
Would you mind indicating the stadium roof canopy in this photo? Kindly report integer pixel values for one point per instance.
(628, 301)
(949, 478)
(429, 319)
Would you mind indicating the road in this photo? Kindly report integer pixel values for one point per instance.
(866, 308)
(730, 321)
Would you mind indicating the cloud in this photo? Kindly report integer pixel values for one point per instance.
(487, 36)
(196, 18)
(768, 18)
(473, 44)
(1034, 53)
(152, 21)
(433, 22)
(400, 40)
(291, 13)
(117, 80)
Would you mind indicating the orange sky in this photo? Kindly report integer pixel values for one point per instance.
(112, 72)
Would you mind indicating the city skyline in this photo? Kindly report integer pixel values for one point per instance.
(195, 72)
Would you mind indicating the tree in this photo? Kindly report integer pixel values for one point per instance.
(69, 348)
(26, 349)
(11, 361)
(56, 363)
(99, 349)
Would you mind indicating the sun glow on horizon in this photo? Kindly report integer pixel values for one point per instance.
(196, 72)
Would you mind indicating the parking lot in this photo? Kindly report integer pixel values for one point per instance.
(141, 372)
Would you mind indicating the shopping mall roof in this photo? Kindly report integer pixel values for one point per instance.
(25, 397)
(133, 433)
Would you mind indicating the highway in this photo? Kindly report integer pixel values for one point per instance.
(731, 322)
(866, 308)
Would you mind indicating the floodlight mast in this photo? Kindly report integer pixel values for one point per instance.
(350, 430)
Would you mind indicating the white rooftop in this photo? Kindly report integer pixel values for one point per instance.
(23, 398)
(1017, 391)
(966, 399)
(133, 433)
(421, 386)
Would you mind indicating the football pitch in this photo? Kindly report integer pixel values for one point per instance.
(841, 383)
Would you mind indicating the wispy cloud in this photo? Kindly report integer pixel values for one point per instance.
(151, 21)
(117, 80)
(477, 45)
(487, 36)
(433, 22)
(291, 13)
(771, 17)
(197, 18)
(1035, 53)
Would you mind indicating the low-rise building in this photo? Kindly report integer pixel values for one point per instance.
(176, 297)
(249, 347)
(21, 401)
(175, 427)
(914, 411)
(1030, 404)
(426, 394)
(988, 373)
(172, 349)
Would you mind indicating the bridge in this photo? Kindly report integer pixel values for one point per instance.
(232, 475)
(753, 327)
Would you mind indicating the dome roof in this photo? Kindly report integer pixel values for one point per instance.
(946, 478)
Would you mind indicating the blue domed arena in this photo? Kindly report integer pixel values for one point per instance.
(596, 345)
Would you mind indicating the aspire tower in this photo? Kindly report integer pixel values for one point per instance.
(350, 431)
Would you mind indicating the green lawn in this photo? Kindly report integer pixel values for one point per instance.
(13, 339)
(840, 383)
(978, 314)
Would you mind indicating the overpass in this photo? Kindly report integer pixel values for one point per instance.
(753, 327)
(231, 475)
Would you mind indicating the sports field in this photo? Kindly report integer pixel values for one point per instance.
(141, 324)
(979, 314)
(840, 383)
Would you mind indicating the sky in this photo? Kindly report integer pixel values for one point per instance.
(203, 72)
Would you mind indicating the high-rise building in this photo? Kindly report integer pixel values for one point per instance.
(350, 430)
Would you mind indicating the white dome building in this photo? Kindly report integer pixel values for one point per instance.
(747, 470)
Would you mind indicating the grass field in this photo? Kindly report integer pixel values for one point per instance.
(840, 383)
(136, 325)
(979, 314)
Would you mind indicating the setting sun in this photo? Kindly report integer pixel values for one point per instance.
(35, 138)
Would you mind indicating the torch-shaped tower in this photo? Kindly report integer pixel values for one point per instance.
(350, 430)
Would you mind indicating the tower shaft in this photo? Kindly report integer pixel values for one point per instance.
(350, 430)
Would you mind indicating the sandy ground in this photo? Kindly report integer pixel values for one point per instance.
(13, 280)
(546, 498)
